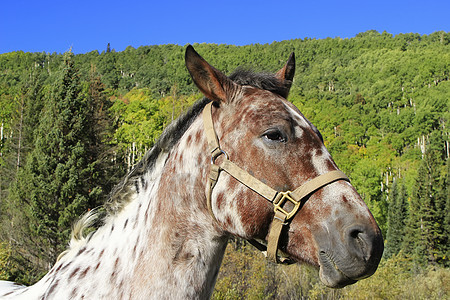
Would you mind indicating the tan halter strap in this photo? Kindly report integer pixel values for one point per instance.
(278, 199)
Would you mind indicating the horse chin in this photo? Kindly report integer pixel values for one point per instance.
(330, 274)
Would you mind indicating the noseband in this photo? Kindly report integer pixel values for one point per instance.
(278, 199)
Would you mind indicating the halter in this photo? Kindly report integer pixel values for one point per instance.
(278, 199)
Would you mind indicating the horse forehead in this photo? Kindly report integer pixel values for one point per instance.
(271, 107)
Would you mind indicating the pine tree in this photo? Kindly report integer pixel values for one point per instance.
(56, 185)
(17, 130)
(445, 205)
(425, 232)
(17, 138)
(107, 172)
(396, 219)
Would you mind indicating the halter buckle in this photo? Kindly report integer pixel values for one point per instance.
(216, 153)
(279, 201)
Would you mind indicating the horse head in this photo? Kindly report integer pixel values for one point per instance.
(270, 172)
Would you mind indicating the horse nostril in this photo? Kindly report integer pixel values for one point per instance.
(360, 243)
(354, 233)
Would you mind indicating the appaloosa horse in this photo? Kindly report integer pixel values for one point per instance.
(242, 162)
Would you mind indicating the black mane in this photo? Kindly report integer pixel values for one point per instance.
(264, 81)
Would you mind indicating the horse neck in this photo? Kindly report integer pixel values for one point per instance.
(186, 258)
(162, 244)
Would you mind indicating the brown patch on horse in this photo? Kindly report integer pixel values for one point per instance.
(74, 272)
(85, 271)
(52, 288)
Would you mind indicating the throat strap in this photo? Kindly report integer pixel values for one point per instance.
(281, 214)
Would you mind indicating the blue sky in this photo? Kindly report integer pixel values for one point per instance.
(84, 26)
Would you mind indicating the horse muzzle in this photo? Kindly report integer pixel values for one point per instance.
(352, 255)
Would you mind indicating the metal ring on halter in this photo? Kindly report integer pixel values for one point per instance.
(214, 157)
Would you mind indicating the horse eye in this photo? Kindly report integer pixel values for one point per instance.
(274, 135)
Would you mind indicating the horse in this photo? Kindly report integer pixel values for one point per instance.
(242, 161)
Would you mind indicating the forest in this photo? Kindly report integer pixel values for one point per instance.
(71, 126)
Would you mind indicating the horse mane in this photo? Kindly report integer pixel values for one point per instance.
(121, 193)
(263, 81)
(171, 135)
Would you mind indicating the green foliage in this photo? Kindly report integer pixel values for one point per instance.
(51, 181)
(140, 119)
(426, 237)
(397, 215)
(5, 253)
(59, 181)
(138, 124)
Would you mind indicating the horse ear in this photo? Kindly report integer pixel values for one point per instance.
(288, 71)
(212, 83)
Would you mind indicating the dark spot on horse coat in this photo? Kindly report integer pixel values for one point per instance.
(137, 240)
(330, 164)
(182, 256)
(125, 224)
(220, 200)
(83, 274)
(75, 271)
(198, 136)
(344, 199)
(319, 152)
(74, 293)
(228, 221)
(81, 251)
(200, 160)
(66, 266)
(113, 276)
(52, 288)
